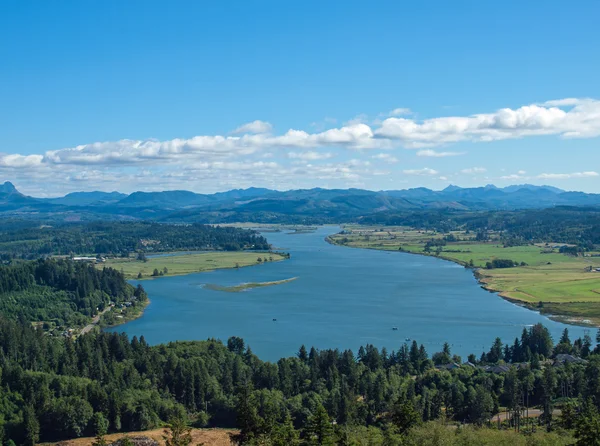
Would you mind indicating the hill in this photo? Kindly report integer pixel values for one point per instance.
(316, 205)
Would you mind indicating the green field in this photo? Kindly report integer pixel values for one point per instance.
(563, 284)
(189, 263)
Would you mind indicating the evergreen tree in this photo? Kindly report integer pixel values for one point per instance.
(177, 433)
(31, 426)
(248, 421)
(319, 430)
(587, 428)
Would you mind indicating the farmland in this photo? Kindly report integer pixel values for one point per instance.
(544, 279)
(187, 263)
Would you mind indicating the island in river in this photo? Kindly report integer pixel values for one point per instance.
(342, 298)
(176, 264)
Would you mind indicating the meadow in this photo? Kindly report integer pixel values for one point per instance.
(181, 264)
(547, 280)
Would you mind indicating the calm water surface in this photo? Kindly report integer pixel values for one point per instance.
(343, 298)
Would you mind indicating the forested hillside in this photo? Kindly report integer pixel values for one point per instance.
(579, 226)
(53, 388)
(61, 293)
(121, 238)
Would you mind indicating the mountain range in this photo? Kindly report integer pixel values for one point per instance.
(259, 204)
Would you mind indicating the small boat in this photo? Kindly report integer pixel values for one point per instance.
(407, 339)
(274, 320)
(395, 328)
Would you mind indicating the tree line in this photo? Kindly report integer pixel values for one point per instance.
(122, 238)
(57, 388)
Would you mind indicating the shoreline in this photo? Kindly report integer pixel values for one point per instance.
(563, 318)
(161, 262)
(122, 321)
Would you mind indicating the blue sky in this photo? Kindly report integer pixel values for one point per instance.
(147, 95)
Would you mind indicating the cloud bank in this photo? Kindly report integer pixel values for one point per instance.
(237, 159)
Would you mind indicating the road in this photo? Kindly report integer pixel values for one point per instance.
(89, 327)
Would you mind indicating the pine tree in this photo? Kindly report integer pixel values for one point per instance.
(31, 426)
(177, 433)
(248, 420)
(319, 430)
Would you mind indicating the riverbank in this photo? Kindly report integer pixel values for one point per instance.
(565, 288)
(122, 315)
(188, 263)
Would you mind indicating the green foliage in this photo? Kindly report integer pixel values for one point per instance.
(178, 433)
(319, 430)
(61, 292)
(119, 238)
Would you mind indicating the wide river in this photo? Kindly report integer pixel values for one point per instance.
(343, 298)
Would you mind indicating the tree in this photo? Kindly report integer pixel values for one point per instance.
(405, 416)
(99, 424)
(284, 433)
(236, 345)
(481, 406)
(587, 428)
(100, 441)
(319, 430)
(548, 385)
(248, 420)
(155, 273)
(31, 426)
(178, 433)
(495, 354)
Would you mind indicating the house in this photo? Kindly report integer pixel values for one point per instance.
(497, 368)
(564, 358)
(451, 366)
(84, 259)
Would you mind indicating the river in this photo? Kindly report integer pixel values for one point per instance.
(342, 298)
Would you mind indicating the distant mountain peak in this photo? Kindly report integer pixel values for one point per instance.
(8, 188)
(451, 188)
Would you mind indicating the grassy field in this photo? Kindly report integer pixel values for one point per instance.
(549, 281)
(189, 263)
(216, 437)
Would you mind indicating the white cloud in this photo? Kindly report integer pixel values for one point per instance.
(424, 171)
(566, 176)
(385, 157)
(568, 118)
(400, 111)
(16, 160)
(310, 156)
(254, 127)
(221, 161)
(511, 177)
(433, 154)
(474, 170)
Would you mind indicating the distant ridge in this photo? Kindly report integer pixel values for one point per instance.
(316, 203)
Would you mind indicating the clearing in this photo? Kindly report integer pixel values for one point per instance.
(213, 437)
